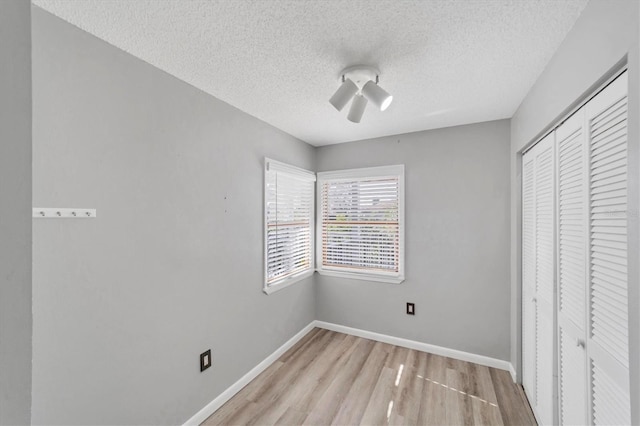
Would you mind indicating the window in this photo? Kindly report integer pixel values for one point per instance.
(361, 229)
(289, 221)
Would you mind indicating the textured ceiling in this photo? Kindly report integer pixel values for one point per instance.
(445, 62)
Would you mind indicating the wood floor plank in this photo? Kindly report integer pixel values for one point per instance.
(292, 417)
(513, 408)
(301, 385)
(333, 378)
(360, 392)
(257, 385)
(454, 402)
(380, 404)
(397, 356)
(486, 409)
(482, 415)
(311, 399)
(266, 391)
(526, 407)
(402, 362)
(407, 406)
(331, 399)
(294, 367)
(237, 417)
(242, 398)
(309, 337)
(484, 389)
(467, 387)
(432, 403)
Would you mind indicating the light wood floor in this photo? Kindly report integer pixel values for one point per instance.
(334, 378)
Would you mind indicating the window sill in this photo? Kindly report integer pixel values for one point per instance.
(365, 277)
(286, 282)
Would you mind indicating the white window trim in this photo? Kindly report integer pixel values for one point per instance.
(273, 165)
(383, 171)
(286, 282)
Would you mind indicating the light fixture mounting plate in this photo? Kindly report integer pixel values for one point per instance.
(360, 74)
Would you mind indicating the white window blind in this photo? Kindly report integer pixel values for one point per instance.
(289, 222)
(361, 229)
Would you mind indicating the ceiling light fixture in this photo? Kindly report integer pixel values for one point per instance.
(377, 95)
(360, 83)
(344, 94)
(357, 108)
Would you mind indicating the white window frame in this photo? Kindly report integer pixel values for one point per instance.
(286, 169)
(396, 171)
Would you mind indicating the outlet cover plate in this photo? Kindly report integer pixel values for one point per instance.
(411, 309)
(205, 360)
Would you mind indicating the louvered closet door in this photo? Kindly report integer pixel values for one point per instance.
(608, 331)
(572, 234)
(538, 278)
(528, 279)
(545, 271)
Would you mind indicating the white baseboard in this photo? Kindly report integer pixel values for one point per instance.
(424, 347)
(211, 407)
(512, 370)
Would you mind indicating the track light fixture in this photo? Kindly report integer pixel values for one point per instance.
(377, 95)
(356, 111)
(344, 94)
(360, 85)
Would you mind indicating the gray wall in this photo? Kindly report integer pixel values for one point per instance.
(457, 240)
(604, 34)
(125, 303)
(15, 211)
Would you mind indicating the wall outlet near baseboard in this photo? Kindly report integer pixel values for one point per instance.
(411, 308)
(205, 360)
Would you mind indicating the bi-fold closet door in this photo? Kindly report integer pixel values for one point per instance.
(572, 234)
(589, 347)
(538, 301)
(593, 337)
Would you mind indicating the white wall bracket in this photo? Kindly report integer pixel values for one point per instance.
(53, 213)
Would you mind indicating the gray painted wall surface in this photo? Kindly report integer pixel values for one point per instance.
(457, 240)
(15, 212)
(606, 31)
(125, 303)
